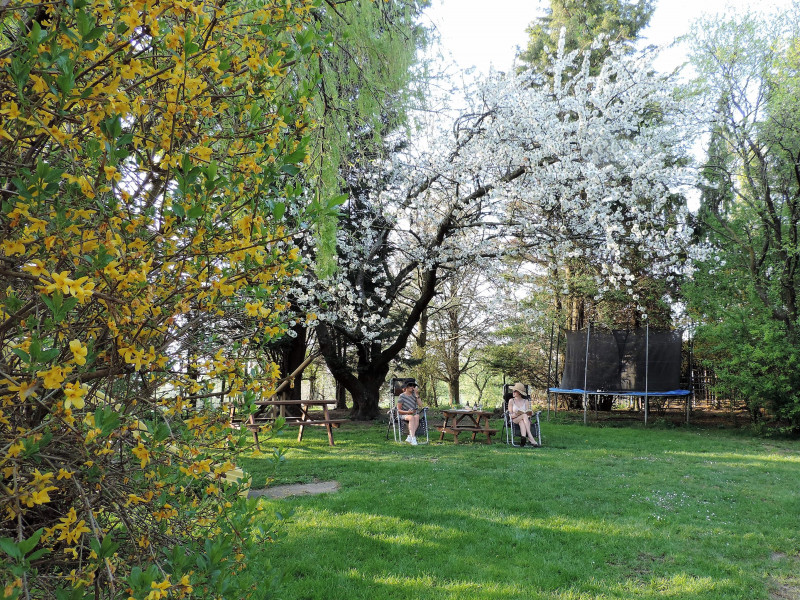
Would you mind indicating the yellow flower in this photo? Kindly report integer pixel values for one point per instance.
(35, 267)
(202, 152)
(10, 247)
(12, 112)
(73, 394)
(79, 351)
(15, 450)
(111, 173)
(252, 308)
(39, 496)
(24, 389)
(81, 289)
(74, 535)
(142, 454)
(61, 283)
(53, 377)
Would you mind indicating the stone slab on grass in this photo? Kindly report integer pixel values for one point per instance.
(296, 489)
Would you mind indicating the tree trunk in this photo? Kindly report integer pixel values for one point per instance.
(291, 358)
(341, 396)
(366, 408)
(422, 341)
(365, 387)
(454, 386)
(373, 361)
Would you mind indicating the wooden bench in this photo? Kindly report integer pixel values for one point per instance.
(257, 424)
(456, 431)
(261, 418)
(327, 423)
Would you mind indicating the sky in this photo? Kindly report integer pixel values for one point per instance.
(484, 33)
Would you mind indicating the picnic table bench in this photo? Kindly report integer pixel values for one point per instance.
(263, 416)
(464, 420)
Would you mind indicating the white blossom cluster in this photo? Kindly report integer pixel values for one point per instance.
(587, 166)
(357, 297)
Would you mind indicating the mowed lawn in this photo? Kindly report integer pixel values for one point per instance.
(595, 513)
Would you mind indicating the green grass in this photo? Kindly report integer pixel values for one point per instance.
(596, 513)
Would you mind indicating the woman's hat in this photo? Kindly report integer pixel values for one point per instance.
(518, 387)
(410, 383)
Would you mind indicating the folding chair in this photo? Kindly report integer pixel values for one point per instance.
(397, 425)
(511, 429)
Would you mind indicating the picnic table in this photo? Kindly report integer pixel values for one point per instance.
(460, 420)
(278, 408)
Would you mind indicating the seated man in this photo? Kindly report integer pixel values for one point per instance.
(409, 407)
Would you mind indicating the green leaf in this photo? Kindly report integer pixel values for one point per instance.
(27, 545)
(95, 34)
(290, 169)
(84, 25)
(296, 156)
(195, 211)
(69, 304)
(47, 355)
(278, 209)
(337, 200)
(11, 548)
(22, 354)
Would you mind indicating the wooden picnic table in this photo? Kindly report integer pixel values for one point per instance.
(303, 421)
(460, 420)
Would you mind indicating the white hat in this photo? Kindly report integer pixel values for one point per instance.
(518, 387)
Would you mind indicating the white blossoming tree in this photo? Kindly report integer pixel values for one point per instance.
(586, 167)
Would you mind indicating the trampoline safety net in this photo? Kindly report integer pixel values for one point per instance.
(617, 360)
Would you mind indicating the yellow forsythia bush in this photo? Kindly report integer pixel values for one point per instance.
(149, 152)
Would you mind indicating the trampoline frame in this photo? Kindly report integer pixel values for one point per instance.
(646, 394)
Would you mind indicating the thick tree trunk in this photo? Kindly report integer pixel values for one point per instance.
(454, 385)
(292, 356)
(422, 341)
(364, 387)
(367, 407)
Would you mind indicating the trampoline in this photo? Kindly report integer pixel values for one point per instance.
(633, 363)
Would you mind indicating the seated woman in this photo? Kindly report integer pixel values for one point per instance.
(520, 413)
(409, 407)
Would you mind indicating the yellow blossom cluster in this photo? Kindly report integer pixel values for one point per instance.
(143, 147)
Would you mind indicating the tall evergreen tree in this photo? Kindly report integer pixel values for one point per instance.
(583, 21)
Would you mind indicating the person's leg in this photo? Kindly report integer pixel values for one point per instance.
(527, 431)
(413, 423)
(408, 419)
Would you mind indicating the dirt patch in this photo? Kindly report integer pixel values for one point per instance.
(785, 592)
(777, 556)
(296, 489)
(784, 588)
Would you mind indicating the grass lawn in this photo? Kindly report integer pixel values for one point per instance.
(596, 513)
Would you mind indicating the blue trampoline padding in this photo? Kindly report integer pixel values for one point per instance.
(620, 393)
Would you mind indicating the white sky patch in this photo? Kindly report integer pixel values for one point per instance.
(484, 34)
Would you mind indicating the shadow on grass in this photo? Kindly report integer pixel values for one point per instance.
(610, 514)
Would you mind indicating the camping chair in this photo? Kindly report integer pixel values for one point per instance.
(397, 425)
(511, 429)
